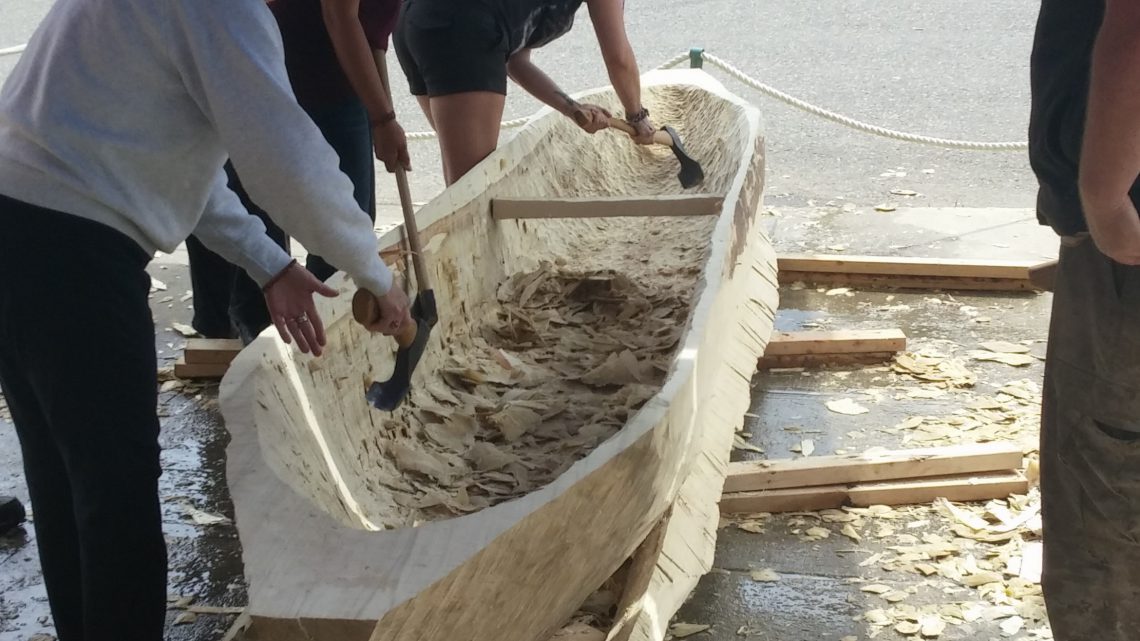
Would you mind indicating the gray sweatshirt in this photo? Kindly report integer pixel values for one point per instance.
(124, 111)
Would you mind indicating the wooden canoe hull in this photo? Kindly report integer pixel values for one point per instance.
(318, 569)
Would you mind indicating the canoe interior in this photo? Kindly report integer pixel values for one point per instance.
(585, 375)
(396, 474)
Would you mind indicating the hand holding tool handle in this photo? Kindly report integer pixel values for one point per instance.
(365, 311)
(660, 137)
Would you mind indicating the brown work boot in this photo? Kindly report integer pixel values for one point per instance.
(11, 514)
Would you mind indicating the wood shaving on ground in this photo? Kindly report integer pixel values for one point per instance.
(684, 630)
(847, 406)
(963, 564)
(567, 359)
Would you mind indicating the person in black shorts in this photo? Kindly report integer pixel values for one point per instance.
(457, 57)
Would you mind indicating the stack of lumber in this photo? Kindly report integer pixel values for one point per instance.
(206, 358)
(846, 347)
(974, 472)
(908, 273)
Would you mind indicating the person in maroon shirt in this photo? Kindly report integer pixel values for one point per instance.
(329, 55)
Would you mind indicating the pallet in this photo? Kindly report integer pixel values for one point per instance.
(206, 358)
(907, 273)
(846, 347)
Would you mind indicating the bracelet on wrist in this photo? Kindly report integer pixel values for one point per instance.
(637, 116)
(385, 119)
(279, 275)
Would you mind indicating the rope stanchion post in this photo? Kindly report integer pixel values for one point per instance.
(697, 58)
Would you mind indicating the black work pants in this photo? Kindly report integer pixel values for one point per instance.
(78, 368)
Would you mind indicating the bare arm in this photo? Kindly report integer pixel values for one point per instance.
(609, 26)
(355, 56)
(358, 62)
(535, 82)
(1110, 155)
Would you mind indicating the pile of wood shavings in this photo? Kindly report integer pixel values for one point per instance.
(984, 561)
(569, 358)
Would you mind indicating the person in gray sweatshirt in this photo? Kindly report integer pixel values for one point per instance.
(114, 127)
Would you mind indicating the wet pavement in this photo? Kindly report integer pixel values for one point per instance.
(819, 593)
(205, 560)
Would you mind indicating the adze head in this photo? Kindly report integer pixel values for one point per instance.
(691, 173)
(412, 340)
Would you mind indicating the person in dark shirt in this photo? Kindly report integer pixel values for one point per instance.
(457, 57)
(1084, 146)
(329, 48)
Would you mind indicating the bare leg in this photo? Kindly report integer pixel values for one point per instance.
(468, 128)
(425, 105)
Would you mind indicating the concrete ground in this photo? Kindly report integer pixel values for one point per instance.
(872, 59)
(819, 595)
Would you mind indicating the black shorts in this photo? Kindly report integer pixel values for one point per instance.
(447, 47)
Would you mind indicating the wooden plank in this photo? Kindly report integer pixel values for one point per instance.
(182, 369)
(822, 360)
(1044, 275)
(908, 492)
(838, 342)
(606, 207)
(877, 466)
(888, 265)
(907, 273)
(211, 350)
(925, 283)
(236, 632)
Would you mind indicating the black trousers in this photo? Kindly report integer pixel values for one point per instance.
(78, 368)
(227, 302)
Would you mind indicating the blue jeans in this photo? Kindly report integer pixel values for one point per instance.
(225, 297)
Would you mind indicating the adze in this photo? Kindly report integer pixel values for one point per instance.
(412, 339)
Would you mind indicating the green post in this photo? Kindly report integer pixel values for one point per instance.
(696, 58)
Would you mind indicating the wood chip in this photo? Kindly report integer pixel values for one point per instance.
(878, 618)
(185, 618)
(1013, 360)
(514, 421)
(876, 588)
(184, 329)
(410, 458)
(807, 446)
(849, 532)
(1012, 626)
(487, 456)
(739, 443)
(683, 630)
(908, 628)
(618, 369)
(755, 527)
(766, 575)
(847, 406)
(1003, 347)
(203, 518)
(932, 627)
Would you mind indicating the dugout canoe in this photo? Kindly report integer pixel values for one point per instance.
(599, 327)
